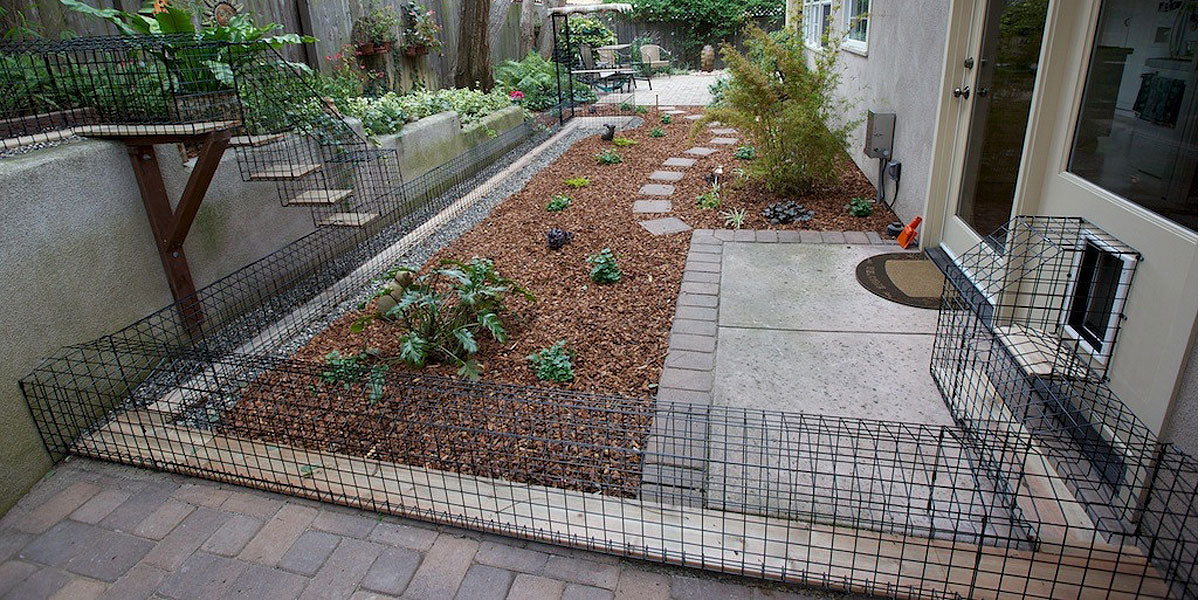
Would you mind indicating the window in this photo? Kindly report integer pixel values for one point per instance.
(816, 21)
(1136, 129)
(1100, 283)
(857, 18)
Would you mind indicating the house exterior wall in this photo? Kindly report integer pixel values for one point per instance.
(900, 72)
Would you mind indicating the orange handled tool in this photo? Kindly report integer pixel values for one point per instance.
(910, 231)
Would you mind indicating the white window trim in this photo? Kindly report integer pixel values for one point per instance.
(854, 46)
(808, 6)
(1104, 353)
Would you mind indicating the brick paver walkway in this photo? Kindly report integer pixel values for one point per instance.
(99, 530)
(670, 90)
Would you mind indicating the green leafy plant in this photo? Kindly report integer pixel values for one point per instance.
(378, 25)
(744, 153)
(349, 369)
(860, 207)
(586, 30)
(444, 313)
(657, 132)
(623, 142)
(710, 199)
(577, 182)
(625, 106)
(391, 111)
(558, 203)
(789, 108)
(608, 157)
(734, 217)
(695, 23)
(421, 29)
(604, 267)
(535, 77)
(554, 363)
(640, 109)
(664, 119)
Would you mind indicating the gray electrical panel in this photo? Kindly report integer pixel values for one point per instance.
(881, 132)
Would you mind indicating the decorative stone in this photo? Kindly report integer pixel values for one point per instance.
(665, 226)
(692, 117)
(666, 175)
(386, 303)
(404, 278)
(657, 189)
(708, 58)
(700, 151)
(679, 162)
(652, 206)
(725, 131)
(723, 141)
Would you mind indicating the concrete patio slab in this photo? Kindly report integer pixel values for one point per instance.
(657, 189)
(652, 206)
(665, 226)
(666, 175)
(679, 162)
(860, 375)
(817, 287)
(700, 151)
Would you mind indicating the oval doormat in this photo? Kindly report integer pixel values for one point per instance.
(905, 277)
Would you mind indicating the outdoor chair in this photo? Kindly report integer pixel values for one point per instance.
(605, 78)
(654, 56)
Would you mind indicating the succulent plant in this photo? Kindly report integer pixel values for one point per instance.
(557, 238)
(788, 211)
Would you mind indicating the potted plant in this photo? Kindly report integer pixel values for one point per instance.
(376, 30)
(422, 32)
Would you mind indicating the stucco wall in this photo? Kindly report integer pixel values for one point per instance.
(77, 259)
(900, 73)
(1180, 425)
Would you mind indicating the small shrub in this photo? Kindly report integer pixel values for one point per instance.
(623, 142)
(710, 199)
(734, 217)
(444, 312)
(860, 207)
(657, 132)
(665, 119)
(558, 202)
(625, 107)
(604, 267)
(608, 157)
(554, 363)
(348, 369)
(577, 182)
(640, 109)
(744, 153)
(788, 211)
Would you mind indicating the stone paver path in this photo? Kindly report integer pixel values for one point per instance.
(675, 112)
(725, 131)
(651, 206)
(657, 189)
(692, 117)
(679, 162)
(98, 530)
(691, 89)
(666, 175)
(723, 141)
(666, 226)
(700, 151)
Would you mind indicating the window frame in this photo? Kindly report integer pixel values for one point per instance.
(1104, 353)
(812, 31)
(847, 20)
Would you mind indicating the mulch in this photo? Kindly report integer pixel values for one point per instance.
(618, 332)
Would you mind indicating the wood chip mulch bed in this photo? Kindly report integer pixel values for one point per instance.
(618, 332)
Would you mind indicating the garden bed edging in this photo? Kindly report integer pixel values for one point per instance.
(423, 145)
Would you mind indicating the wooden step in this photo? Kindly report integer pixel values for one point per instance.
(320, 197)
(255, 140)
(283, 172)
(347, 219)
(167, 129)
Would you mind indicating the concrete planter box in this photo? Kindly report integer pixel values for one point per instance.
(436, 139)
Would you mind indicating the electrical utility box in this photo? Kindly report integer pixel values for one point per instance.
(881, 132)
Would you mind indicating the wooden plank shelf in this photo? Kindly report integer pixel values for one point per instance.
(319, 197)
(156, 130)
(347, 219)
(255, 140)
(284, 172)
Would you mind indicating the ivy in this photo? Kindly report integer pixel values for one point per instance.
(701, 22)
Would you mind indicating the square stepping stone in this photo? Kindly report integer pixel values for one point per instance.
(666, 175)
(666, 108)
(652, 206)
(657, 189)
(725, 131)
(692, 117)
(674, 112)
(714, 124)
(723, 141)
(679, 162)
(700, 151)
(665, 226)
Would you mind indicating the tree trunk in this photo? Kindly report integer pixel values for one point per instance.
(474, 67)
(528, 15)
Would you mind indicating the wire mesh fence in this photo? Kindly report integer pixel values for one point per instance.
(1031, 495)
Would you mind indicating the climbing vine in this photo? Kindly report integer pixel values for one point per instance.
(700, 22)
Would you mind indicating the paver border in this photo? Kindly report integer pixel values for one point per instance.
(675, 465)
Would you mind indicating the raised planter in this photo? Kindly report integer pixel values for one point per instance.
(436, 139)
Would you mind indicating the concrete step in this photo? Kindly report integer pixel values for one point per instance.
(284, 172)
(255, 140)
(319, 197)
(347, 219)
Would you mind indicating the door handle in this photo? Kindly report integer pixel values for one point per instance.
(962, 92)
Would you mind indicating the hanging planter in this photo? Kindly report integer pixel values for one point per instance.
(373, 48)
(416, 50)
